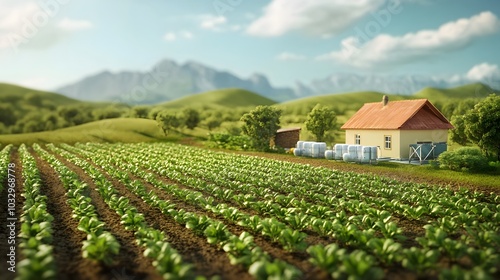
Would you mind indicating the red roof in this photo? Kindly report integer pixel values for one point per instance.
(417, 114)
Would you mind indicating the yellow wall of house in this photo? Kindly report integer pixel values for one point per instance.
(413, 136)
(401, 140)
(376, 138)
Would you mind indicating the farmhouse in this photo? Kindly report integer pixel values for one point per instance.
(393, 126)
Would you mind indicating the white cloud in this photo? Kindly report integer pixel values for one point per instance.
(33, 25)
(12, 16)
(483, 72)
(74, 25)
(236, 27)
(288, 56)
(186, 35)
(212, 22)
(314, 17)
(173, 36)
(170, 36)
(388, 51)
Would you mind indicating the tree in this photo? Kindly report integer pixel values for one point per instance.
(140, 112)
(75, 114)
(7, 115)
(34, 99)
(109, 112)
(320, 120)
(212, 122)
(458, 133)
(166, 121)
(261, 124)
(191, 118)
(482, 125)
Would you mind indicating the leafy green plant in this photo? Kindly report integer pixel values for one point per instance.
(293, 240)
(101, 247)
(420, 260)
(386, 250)
(276, 269)
(359, 265)
(327, 257)
(132, 220)
(217, 233)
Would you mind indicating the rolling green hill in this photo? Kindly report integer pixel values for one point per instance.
(128, 130)
(343, 102)
(354, 100)
(476, 90)
(19, 95)
(224, 98)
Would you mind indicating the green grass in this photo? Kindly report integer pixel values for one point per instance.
(17, 94)
(423, 172)
(354, 100)
(225, 98)
(350, 101)
(126, 130)
(476, 90)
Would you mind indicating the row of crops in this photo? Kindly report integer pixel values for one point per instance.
(268, 217)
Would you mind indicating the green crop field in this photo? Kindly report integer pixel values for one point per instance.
(162, 210)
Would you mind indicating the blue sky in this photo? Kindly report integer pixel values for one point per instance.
(49, 43)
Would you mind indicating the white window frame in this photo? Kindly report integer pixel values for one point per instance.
(388, 142)
(357, 139)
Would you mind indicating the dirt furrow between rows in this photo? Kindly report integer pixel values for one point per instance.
(207, 260)
(67, 239)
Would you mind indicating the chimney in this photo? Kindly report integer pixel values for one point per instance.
(385, 100)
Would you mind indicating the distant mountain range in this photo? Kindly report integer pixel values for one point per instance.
(169, 80)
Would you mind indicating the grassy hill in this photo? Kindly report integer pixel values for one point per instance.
(440, 95)
(27, 97)
(112, 130)
(223, 98)
(345, 101)
(354, 100)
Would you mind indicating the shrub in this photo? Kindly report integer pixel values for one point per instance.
(228, 141)
(464, 159)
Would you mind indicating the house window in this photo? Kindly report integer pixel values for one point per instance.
(388, 142)
(357, 139)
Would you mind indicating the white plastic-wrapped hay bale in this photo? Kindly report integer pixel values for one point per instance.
(329, 154)
(347, 157)
(300, 145)
(307, 151)
(345, 148)
(366, 154)
(318, 149)
(359, 152)
(297, 152)
(374, 153)
(338, 151)
(353, 152)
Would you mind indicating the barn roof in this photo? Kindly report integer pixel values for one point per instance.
(417, 114)
(288, 129)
